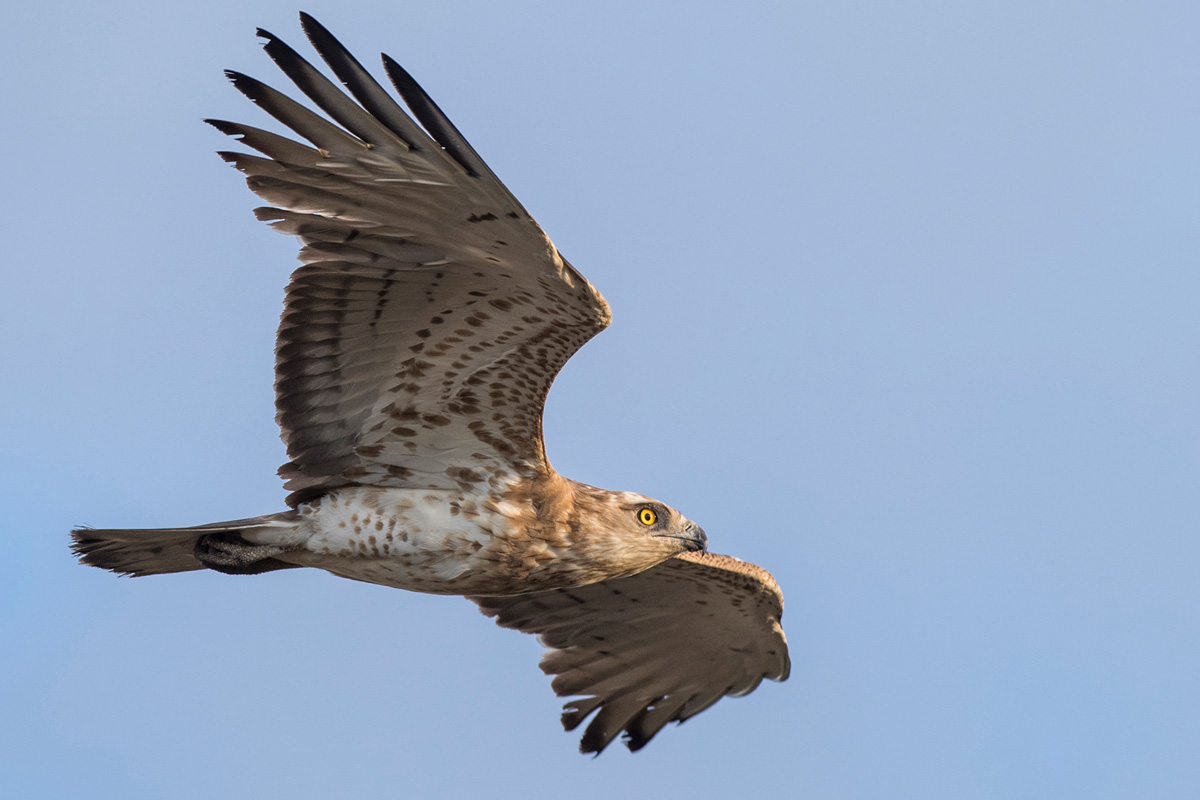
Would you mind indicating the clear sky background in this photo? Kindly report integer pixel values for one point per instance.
(907, 310)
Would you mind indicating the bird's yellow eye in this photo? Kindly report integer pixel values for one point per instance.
(647, 516)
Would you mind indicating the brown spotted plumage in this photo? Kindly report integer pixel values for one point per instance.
(418, 342)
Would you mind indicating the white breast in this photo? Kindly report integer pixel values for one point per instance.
(420, 540)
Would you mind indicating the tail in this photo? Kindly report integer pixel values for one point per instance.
(158, 551)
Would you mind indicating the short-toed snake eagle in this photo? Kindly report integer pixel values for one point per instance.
(418, 341)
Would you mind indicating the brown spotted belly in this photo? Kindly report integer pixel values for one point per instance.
(441, 542)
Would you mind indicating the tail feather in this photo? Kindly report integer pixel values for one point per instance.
(157, 551)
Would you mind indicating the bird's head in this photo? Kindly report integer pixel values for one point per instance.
(634, 529)
(647, 517)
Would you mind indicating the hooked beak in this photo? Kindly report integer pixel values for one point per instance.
(694, 539)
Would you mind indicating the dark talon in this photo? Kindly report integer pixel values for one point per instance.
(231, 554)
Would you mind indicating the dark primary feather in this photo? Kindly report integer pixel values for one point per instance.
(323, 134)
(363, 87)
(328, 97)
(437, 123)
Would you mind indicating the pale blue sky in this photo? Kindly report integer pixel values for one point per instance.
(907, 310)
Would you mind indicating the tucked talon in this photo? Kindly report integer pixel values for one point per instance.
(231, 554)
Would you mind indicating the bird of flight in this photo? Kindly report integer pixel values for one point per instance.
(418, 341)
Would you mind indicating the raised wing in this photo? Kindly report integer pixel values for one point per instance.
(654, 648)
(422, 333)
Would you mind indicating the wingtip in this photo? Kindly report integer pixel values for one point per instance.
(635, 743)
(597, 737)
(595, 745)
(280, 51)
(319, 36)
(310, 25)
(398, 74)
(252, 88)
(587, 747)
